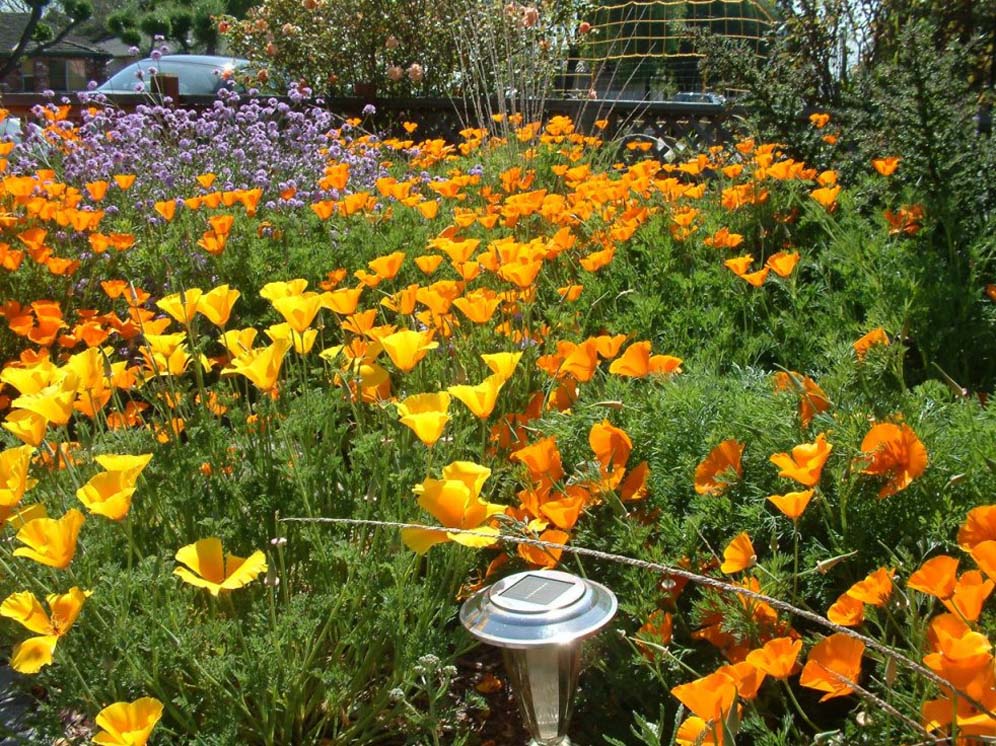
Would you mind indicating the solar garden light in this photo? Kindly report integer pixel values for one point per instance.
(539, 620)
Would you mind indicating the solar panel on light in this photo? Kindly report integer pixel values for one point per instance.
(537, 589)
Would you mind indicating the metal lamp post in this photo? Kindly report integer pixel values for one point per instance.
(539, 619)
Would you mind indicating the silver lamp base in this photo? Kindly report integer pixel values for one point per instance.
(544, 680)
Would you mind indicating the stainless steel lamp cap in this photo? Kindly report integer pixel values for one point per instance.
(540, 618)
(535, 608)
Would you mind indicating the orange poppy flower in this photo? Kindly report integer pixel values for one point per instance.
(970, 593)
(805, 464)
(166, 208)
(502, 364)
(819, 120)
(886, 165)
(610, 444)
(657, 630)
(826, 196)
(895, 452)
(634, 486)
(713, 474)
(216, 304)
(813, 399)
(834, 664)
(694, 731)
(545, 557)
(984, 554)
(213, 243)
(935, 577)
(96, 189)
(428, 263)
(542, 459)
(723, 239)
(782, 263)
(875, 589)
(710, 697)
(792, 504)
(478, 306)
(637, 362)
(979, 526)
(739, 555)
(876, 336)
(739, 265)
(777, 658)
(847, 611)
(124, 181)
(580, 360)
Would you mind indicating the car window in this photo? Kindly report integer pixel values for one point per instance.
(196, 79)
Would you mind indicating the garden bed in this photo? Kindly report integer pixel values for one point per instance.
(737, 367)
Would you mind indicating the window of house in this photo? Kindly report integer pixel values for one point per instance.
(27, 75)
(67, 75)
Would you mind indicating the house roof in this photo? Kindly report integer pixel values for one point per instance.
(12, 25)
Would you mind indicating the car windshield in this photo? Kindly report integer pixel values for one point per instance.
(196, 78)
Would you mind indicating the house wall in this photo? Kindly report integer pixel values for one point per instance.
(42, 79)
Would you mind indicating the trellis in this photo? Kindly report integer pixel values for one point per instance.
(632, 40)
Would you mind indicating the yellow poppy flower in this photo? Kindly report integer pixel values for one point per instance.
(208, 568)
(299, 310)
(502, 364)
(455, 502)
(109, 493)
(480, 399)
(406, 348)
(14, 480)
(281, 289)
(262, 367)
(51, 541)
(128, 723)
(54, 403)
(217, 304)
(26, 426)
(32, 654)
(426, 415)
(301, 341)
(182, 306)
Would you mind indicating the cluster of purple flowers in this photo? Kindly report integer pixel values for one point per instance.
(247, 141)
